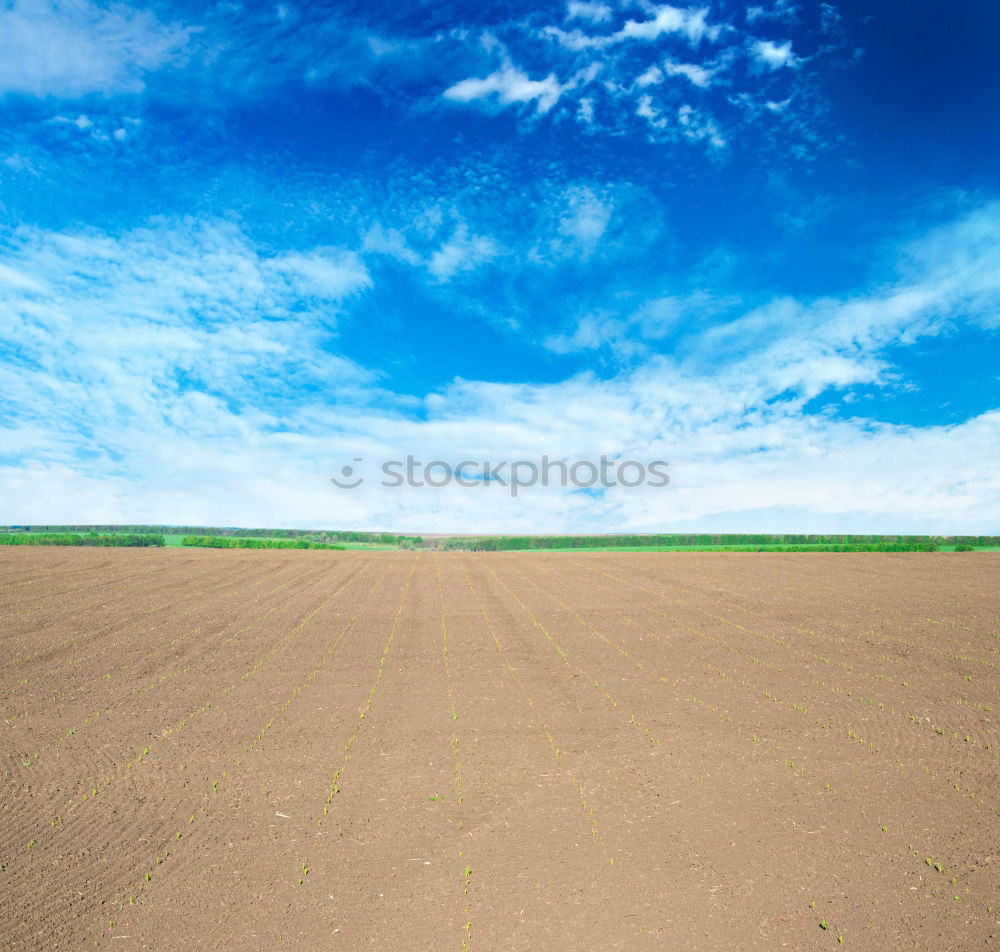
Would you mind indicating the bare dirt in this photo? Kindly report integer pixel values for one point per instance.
(430, 751)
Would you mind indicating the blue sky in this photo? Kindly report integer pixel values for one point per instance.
(242, 245)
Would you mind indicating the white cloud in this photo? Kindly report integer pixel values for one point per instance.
(774, 55)
(780, 10)
(510, 86)
(830, 18)
(585, 220)
(462, 252)
(592, 12)
(158, 371)
(698, 75)
(688, 22)
(325, 273)
(124, 314)
(20, 163)
(646, 110)
(81, 122)
(651, 77)
(696, 127)
(74, 47)
(389, 241)
(18, 280)
(102, 129)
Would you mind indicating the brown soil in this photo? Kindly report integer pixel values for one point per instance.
(258, 750)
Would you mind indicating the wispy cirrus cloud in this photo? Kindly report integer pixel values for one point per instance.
(690, 23)
(76, 47)
(185, 354)
(589, 11)
(589, 62)
(509, 85)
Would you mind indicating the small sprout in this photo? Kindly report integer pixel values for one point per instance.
(812, 905)
(824, 924)
(149, 876)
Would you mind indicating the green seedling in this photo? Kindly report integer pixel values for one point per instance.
(824, 924)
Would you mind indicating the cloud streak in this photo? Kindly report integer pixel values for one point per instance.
(74, 47)
(181, 345)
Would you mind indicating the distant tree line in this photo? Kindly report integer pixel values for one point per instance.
(746, 542)
(222, 542)
(69, 538)
(312, 535)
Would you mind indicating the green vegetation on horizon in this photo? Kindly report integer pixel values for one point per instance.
(221, 542)
(232, 538)
(732, 543)
(116, 540)
(310, 535)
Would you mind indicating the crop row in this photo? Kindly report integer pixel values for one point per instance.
(456, 760)
(147, 872)
(797, 767)
(88, 791)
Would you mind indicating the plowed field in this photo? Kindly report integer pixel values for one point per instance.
(487, 752)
